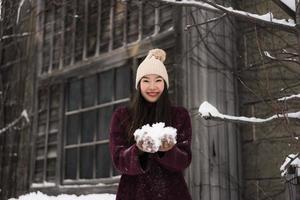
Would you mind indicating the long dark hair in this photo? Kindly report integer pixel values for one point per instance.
(143, 112)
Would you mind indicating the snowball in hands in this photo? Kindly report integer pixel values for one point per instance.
(151, 136)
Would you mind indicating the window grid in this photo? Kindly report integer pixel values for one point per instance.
(46, 139)
(118, 24)
(98, 145)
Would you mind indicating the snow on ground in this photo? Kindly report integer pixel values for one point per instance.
(41, 196)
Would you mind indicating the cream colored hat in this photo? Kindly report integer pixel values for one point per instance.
(153, 64)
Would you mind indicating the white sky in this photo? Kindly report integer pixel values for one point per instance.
(41, 196)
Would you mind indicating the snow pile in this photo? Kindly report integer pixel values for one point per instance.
(292, 160)
(40, 196)
(151, 136)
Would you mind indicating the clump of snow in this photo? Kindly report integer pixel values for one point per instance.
(25, 115)
(293, 160)
(268, 55)
(207, 110)
(151, 136)
(40, 196)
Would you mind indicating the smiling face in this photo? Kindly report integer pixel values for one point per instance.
(152, 87)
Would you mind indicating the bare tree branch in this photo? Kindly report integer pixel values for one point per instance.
(207, 111)
(23, 114)
(265, 20)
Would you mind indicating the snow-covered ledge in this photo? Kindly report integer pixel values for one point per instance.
(208, 111)
(41, 196)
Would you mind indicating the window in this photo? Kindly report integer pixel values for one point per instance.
(74, 31)
(73, 114)
(90, 102)
(47, 132)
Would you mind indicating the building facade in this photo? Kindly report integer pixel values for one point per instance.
(70, 64)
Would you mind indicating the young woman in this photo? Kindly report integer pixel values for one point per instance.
(159, 175)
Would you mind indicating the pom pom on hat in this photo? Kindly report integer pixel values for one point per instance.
(153, 64)
(158, 54)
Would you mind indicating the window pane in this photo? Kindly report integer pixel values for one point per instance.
(89, 126)
(104, 119)
(68, 44)
(165, 17)
(123, 82)
(86, 162)
(92, 27)
(57, 35)
(89, 91)
(79, 32)
(51, 164)
(119, 14)
(148, 19)
(106, 86)
(74, 95)
(133, 21)
(73, 129)
(38, 174)
(102, 161)
(71, 164)
(105, 26)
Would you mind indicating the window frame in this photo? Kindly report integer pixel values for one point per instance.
(94, 143)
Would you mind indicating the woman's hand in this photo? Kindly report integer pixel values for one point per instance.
(167, 143)
(146, 144)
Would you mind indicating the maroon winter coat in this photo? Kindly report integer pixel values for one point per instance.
(157, 176)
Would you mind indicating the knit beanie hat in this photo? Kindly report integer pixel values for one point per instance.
(153, 64)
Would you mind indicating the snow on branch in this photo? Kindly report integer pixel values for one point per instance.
(24, 115)
(207, 22)
(290, 160)
(268, 55)
(208, 111)
(14, 35)
(19, 9)
(289, 97)
(266, 19)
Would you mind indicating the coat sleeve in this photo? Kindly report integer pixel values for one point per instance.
(125, 157)
(180, 156)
